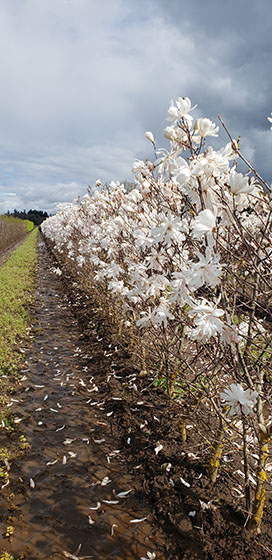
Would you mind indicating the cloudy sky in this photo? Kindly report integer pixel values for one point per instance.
(82, 80)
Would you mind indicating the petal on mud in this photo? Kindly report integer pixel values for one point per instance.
(32, 483)
(158, 448)
(61, 428)
(72, 454)
(106, 480)
(184, 482)
(98, 505)
(68, 555)
(68, 441)
(113, 502)
(124, 494)
(138, 520)
(112, 529)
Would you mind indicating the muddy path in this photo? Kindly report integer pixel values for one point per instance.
(72, 493)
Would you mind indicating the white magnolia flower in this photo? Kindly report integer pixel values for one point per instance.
(146, 317)
(170, 133)
(204, 223)
(181, 110)
(206, 327)
(161, 314)
(206, 321)
(138, 166)
(239, 184)
(206, 271)
(117, 287)
(168, 231)
(149, 136)
(239, 399)
(205, 127)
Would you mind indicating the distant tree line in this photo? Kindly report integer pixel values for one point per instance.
(35, 216)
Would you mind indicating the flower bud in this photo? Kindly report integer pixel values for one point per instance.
(149, 136)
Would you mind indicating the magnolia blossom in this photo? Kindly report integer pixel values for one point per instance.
(181, 110)
(206, 271)
(170, 229)
(204, 223)
(205, 127)
(170, 132)
(239, 399)
(149, 136)
(161, 314)
(239, 184)
(206, 326)
(146, 317)
(206, 321)
(138, 166)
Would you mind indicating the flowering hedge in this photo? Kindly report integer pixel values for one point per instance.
(183, 264)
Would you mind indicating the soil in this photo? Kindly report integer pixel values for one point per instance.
(93, 423)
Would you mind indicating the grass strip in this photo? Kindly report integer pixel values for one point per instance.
(17, 277)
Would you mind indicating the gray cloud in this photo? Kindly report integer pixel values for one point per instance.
(82, 81)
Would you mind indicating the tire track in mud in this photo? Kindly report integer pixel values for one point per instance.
(74, 497)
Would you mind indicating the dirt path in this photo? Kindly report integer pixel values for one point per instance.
(67, 488)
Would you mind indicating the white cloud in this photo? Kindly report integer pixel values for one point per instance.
(84, 80)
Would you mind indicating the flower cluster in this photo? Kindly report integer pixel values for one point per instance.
(157, 245)
(239, 399)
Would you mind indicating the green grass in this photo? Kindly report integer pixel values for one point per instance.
(29, 225)
(16, 294)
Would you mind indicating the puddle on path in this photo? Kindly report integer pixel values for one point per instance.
(68, 486)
